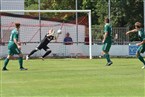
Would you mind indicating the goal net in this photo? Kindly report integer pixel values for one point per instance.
(36, 23)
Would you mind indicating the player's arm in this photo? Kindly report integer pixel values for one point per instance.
(105, 36)
(143, 42)
(17, 43)
(56, 37)
(51, 32)
(105, 33)
(131, 31)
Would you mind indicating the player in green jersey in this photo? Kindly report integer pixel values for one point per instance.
(141, 34)
(107, 40)
(14, 47)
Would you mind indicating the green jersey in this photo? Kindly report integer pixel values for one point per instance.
(108, 29)
(141, 34)
(12, 47)
(14, 35)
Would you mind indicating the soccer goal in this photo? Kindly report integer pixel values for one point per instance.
(36, 23)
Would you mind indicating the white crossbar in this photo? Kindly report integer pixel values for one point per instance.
(45, 10)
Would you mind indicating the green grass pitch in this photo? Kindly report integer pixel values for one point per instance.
(74, 78)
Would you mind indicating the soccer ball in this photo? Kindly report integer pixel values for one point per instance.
(59, 31)
(100, 56)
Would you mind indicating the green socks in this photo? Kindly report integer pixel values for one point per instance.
(6, 62)
(21, 62)
(107, 57)
(141, 59)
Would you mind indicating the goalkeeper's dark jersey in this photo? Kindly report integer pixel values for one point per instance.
(45, 41)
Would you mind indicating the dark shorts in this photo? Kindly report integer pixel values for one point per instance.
(141, 49)
(106, 47)
(41, 46)
(13, 50)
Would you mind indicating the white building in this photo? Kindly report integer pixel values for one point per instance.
(12, 4)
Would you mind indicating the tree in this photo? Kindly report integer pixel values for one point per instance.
(123, 12)
(126, 12)
(50, 5)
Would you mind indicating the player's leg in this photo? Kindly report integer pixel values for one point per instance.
(10, 54)
(105, 49)
(6, 62)
(140, 50)
(48, 51)
(31, 53)
(20, 59)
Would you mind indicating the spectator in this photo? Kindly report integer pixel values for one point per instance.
(68, 40)
(87, 39)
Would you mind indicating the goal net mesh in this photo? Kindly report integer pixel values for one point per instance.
(34, 26)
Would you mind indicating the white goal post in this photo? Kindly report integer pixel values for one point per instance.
(66, 11)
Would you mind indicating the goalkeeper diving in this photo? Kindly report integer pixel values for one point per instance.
(51, 35)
